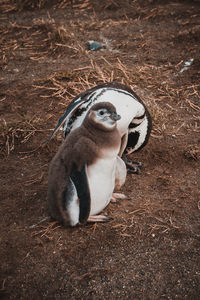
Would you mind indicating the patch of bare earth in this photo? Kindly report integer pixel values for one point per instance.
(150, 250)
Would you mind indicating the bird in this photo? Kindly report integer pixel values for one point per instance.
(86, 169)
(135, 123)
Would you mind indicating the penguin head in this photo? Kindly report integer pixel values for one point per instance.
(103, 115)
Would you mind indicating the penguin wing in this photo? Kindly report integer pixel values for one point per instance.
(80, 181)
(70, 110)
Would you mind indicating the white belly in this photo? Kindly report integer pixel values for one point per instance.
(101, 177)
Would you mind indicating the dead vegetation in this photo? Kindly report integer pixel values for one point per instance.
(18, 5)
(192, 152)
(64, 85)
(45, 63)
(19, 131)
(161, 85)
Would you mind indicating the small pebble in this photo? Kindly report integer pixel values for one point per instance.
(94, 46)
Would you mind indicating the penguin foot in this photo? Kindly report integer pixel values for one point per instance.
(98, 218)
(118, 196)
(134, 167)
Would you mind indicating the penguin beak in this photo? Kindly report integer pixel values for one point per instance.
(115, 117)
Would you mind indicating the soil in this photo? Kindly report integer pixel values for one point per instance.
(150, 248)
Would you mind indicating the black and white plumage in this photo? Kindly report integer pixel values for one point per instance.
(134, 126)
(86, 169)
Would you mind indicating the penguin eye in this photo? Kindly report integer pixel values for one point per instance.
(101, 112)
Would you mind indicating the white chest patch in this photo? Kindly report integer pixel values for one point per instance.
(101, 177)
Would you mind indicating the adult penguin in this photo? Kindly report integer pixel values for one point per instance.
(135, 123)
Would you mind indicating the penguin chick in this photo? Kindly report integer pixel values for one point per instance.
(84, 171)
(135, 123)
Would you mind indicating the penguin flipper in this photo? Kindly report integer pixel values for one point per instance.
(80, 181)
(70, 109)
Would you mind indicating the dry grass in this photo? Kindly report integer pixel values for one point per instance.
(192, 152)
(14, 5)
(17, 131)
(43, 38)
(65, 85)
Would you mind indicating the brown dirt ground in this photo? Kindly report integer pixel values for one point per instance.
(150, 250)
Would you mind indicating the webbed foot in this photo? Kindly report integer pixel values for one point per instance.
(134, 167)
(118, 196)
(98, 218)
